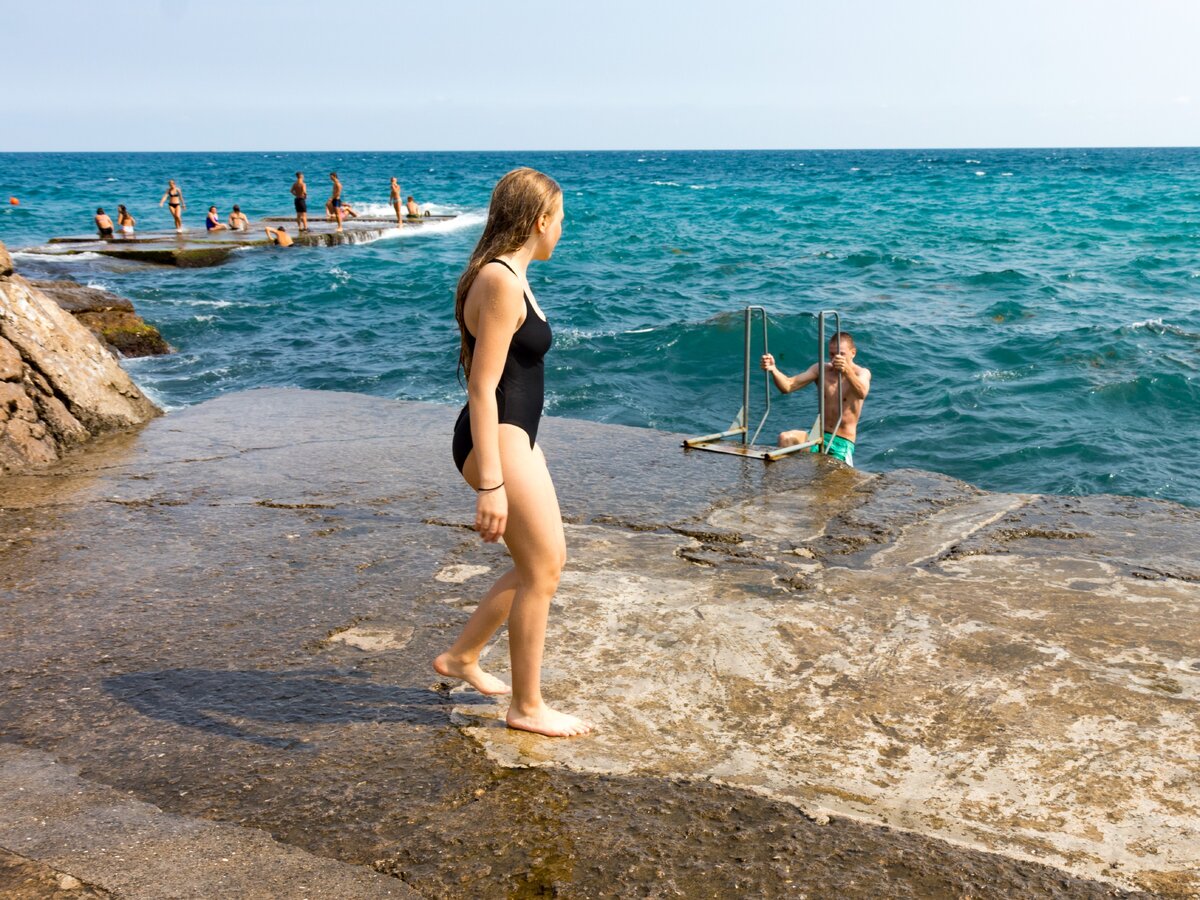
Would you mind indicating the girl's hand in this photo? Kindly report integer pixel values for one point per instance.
(491, 514)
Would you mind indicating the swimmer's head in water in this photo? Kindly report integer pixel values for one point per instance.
(847, 345)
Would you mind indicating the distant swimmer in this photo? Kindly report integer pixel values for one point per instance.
(335, 200)
(238, 220)
(104, 225)
(174, 200)
(855, 384)
(414, 211)
(504, 338)
(213, 222)
(394, 199)
(279, 236)
(300, 198)
(125, 221)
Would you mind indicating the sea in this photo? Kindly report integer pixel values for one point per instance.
(1031, 318)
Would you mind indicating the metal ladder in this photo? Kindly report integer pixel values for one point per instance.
(740, 427)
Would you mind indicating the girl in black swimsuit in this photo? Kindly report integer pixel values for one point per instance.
(504, 339)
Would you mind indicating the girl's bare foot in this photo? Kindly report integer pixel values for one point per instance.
(548, 722)
(471, 674)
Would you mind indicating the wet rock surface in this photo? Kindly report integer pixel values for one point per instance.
(24, 879)
(229, 616)
(110, 318)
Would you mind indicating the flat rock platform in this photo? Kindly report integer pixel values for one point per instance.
(196, 248)
(809, 681)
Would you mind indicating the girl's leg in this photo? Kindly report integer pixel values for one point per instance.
(534, 536)
(462, 660)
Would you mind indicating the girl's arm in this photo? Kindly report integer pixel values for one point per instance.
(499, 301)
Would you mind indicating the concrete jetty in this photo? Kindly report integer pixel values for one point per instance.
(809, 681)
(197, 248)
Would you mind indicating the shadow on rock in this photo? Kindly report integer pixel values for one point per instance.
(248, 705)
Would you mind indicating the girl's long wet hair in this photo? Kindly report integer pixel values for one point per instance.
(519, 199)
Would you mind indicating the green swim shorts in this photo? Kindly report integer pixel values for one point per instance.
(839, 448)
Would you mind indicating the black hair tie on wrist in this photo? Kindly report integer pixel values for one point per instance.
(488, 490)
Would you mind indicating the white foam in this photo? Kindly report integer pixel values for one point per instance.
(215, 304)
(85, 256)
(1006, 174)
(427, 229)
(666, 183)
(203, 318)
(703, 187)
(980, 172)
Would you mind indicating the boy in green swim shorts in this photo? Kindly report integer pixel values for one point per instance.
(854, 383)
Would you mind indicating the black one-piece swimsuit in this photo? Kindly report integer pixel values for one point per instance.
(521, 392)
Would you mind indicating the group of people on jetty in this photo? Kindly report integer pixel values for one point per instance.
(337, 209)
(504, 337)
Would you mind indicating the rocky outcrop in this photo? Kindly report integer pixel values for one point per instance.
(110, 318)
(59, 386)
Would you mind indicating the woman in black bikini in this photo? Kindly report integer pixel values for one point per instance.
(177, 206)
(504, 338)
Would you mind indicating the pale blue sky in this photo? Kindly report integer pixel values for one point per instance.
(470, 75)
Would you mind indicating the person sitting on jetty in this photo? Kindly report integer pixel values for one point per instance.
(414, 211)
(238, 220)
(279, 236)
(213, 222)
(394, 199)
(177, 206)
(335, 200)
(300, 198)
(104, 224)
(348, 211)
(125, 221)
(855, 383)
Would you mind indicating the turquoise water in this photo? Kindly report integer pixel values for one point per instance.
(1031, 318)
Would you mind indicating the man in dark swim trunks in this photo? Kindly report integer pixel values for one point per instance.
(300, 195)
(336, 199)
(104, 224)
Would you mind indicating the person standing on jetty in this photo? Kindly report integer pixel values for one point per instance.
(335, 200)
(300, 200)
(176, 205)
(504, 340)
(854, 383)
(394, 199)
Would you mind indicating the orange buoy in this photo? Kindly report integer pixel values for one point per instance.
(14, 201)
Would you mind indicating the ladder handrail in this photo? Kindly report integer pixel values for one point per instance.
(746, 378)
(837, 325)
